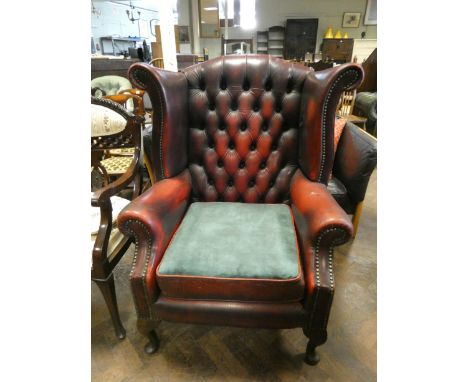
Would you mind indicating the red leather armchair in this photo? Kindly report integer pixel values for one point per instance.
(240, 143)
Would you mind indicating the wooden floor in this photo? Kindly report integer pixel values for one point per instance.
(206, 353)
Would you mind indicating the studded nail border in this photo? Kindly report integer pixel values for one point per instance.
(129, 231)
(134, 77)
(331, 275)
(324, 113)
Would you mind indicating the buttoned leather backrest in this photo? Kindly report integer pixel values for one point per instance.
(243, 128)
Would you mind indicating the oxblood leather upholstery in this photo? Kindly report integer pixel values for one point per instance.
(251, 129)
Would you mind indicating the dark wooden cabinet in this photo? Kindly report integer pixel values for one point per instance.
(337, 49)
(301, 37)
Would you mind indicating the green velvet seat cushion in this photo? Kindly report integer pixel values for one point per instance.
(234, 240)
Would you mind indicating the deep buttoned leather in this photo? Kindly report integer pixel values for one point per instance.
(244, 120)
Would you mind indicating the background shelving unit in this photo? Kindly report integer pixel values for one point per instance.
(262, 42)
(276, 41)
(126, 42)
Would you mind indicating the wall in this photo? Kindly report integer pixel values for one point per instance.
(275, 12)
(114, 21)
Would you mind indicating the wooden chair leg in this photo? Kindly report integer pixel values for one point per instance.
(107, 288)
(311, 357)
(356, 218)
(316, 337)
(147, 328)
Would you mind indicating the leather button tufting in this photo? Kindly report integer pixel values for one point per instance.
(256, 108)
(253, 146)
(251, 183)
(262, 165)
(231, 145)
(275, 146)
(230, 183)
(271, 183)
(220, 163)
(210, 181)
(265, 126)
(211, 145)
(242, 164)
(243, 126)
(278, 109)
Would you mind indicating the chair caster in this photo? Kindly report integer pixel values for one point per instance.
(311, 356)
(153, 345)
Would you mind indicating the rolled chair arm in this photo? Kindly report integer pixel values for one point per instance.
(152, 219)
(326, 221)
(355, 160)
(321, 225)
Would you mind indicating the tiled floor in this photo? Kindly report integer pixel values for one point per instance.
(206, 353)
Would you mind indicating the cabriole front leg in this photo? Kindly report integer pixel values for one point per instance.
(148, 329)
(107, 288)
(316, 329)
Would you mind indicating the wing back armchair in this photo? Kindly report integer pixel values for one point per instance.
(239, 227)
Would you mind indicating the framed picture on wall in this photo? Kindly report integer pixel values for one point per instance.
(184, 35)
(351, 19)
(371, 13)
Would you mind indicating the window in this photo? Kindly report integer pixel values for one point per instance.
(239, 13)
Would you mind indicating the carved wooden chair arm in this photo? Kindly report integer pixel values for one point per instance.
(137, 92)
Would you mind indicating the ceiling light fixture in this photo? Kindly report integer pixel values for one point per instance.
(211, 8)
(94, 11)
(130, 12)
